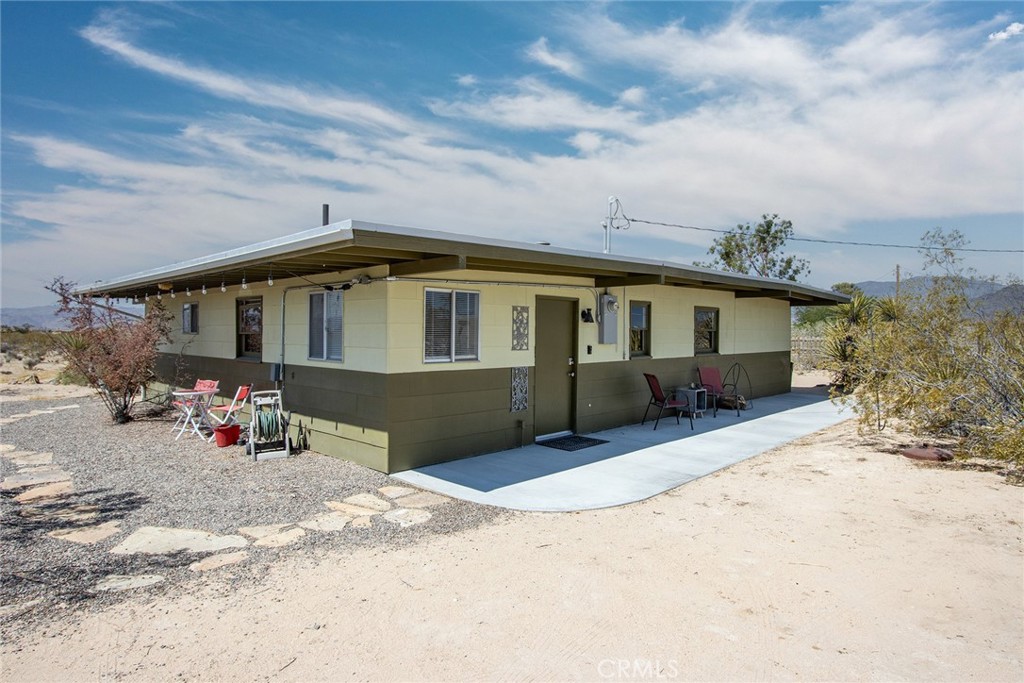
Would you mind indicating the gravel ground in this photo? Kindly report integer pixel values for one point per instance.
(138, 475)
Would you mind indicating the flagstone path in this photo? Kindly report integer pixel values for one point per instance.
(43, 489)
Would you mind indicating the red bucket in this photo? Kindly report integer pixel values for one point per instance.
(227, 435)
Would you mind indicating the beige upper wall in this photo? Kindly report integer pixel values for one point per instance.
(383, 321)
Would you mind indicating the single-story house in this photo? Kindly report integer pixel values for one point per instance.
(397, 347)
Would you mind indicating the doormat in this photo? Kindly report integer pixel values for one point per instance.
(571, 443)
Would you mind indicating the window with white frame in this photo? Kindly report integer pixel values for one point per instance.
(451, 325)
(190, 318)
(325, 315)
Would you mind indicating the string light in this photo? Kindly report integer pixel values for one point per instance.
(223, 288)
(147, 296)
(188, 292)
(204, 289)
(244, 286)
(172, 293)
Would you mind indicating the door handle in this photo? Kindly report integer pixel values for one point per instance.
(572, 374)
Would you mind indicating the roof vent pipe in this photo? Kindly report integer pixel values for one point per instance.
(327, 214)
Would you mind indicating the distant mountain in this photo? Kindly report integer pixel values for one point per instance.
(39, 317)
(1010, 298)
(921, 284)
(45, 317)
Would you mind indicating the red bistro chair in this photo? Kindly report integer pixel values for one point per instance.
(659, 399)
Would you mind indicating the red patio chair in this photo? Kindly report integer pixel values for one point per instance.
(228, 414)
(663, 402)
(711, 380)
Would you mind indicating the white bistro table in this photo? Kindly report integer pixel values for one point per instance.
(195, 405)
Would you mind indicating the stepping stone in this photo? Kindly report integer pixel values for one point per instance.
(351, 510)
(122, 582)
(405, 517)
(18, 608)
(257, 532)
(422, 499)
(156, 540)
(87, 535)
(7, 447)
(8, 420)
(18, 416)
(30, 459)
(57, 489)
(280, 539)
(33, 413)
(12, 455)
(393, 492)
(362, 523)
(329, 521)
(72, 513)
(21, 481)
(369, 501)
(68, 407)
(218, 561)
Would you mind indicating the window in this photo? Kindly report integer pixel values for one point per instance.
(190, 319)
(705, 330)
(451, 325)
(325, 325)
(639, 328)
(250, 328)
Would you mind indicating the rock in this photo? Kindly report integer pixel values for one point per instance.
(87, 534)
(406, 517)
(329, 521)
(930, 453)
(257, 532)
(369, 501)
(351, 510)
(218, 561)
(30, 458)
(57, 489)
(61, 513)
(422, 499)
(67, 407)
(155, 540)
(18, 608)
(280, 539)
(393, 492)
(362, 523)
(7, 447)
(22, 481)
(122, 582)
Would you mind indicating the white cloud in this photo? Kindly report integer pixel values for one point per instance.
(634, 96)
(587, 141)
(564, 62)
(467, 80)
(1014, 29)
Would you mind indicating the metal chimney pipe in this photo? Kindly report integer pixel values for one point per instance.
(327, 214)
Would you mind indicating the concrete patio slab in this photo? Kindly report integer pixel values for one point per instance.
(636, 463)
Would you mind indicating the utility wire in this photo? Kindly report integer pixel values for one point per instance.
(823, 241)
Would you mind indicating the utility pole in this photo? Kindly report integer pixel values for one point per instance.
(897, 281)
(614, 207)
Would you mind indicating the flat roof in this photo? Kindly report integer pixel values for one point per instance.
(351, 244)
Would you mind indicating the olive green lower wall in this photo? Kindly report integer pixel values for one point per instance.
(397, 422)
(615, 394)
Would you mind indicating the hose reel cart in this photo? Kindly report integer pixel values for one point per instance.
(268, 428)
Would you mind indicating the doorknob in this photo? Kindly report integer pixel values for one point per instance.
(572, 374)
(572, 361)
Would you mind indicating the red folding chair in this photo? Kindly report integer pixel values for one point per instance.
(228, 414)
(658, 398)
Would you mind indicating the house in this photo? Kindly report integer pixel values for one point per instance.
(398, 347)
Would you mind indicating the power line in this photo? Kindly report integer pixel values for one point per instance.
(824, 241)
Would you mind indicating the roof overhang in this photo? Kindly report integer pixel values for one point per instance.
(410, 252)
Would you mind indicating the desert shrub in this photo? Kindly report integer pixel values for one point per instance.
(933, 364)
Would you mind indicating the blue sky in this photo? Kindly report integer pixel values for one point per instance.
(135, 135)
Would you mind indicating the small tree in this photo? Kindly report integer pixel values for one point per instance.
(114, 351)
(757, 250)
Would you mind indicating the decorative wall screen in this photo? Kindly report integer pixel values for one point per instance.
(520, 328)
(520, 389)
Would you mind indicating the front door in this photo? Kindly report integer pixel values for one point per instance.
(555, 384)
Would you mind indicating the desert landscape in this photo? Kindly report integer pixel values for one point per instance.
(831, 558)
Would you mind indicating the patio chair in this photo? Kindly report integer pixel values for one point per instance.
(201, 385)
(711, 380)
(663, 402)
(228, 414)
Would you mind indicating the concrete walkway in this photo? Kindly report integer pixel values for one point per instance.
(635, 464)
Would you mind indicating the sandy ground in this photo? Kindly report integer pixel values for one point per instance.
(18, 383)
(826, 559)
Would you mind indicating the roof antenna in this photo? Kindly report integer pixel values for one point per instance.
(327, 214)
(616, 219)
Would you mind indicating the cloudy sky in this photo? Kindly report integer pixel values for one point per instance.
(136, 135)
